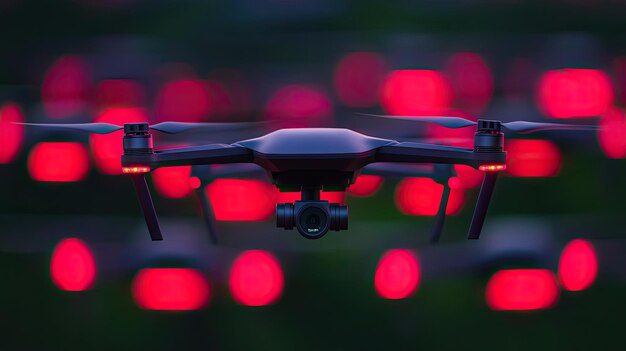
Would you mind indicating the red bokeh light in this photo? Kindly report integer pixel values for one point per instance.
(120, 93)
(421, 197)
(170, 289)
(533, 158)
(72, 267)
(11, 134)
(58, 162)
(471, 80)
(397, 275)
(365, 185)
(241, 200)
(107, 149)
(522, 289)
(172, 182)
(416, 92)
(330, 196)
(469, 177)
(357, 78)
(256, 279)
(578, 265)
(612, 133)
(573, 92)
(184, 100)
(66, 87)
(296, 106)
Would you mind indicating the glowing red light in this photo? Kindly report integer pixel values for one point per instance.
(300, 106)
(185, 100)
(173, 182)
(72, 267)
(120, 93)
(58, 162)
(578, 265)
(357, 78)
(574, 92)
(256, 279)
(533, 158)
(521, 289)
(65, 87)
(330, 196)
(135, 169)
(107, 149)
(491, 168)
(195, 182)
(170, 289)
(612, 133)
(241, 200)
(468, 177)
(397, 275)
(421, 197)
(365, 185)
(11, 134)
(415, 92)
(471, 80)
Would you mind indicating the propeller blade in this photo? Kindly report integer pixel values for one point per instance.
(523, 127)
(180, 127)
(449, 122)
(97, 128)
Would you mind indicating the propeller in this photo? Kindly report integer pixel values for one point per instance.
(163, 127)
(520, 127)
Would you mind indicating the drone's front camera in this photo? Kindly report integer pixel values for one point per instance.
(313, 219)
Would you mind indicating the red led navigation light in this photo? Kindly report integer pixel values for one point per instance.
(397, 275)
(135, 169)
(521, 290)
(578, 265)
(256, 278)
(72, 267)
(492, 168)
(170, 289)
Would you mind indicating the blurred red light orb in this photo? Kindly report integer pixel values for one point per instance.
(183, 100)
(170, 289)
(421, 197)
(522, 290)
(365, 185)
(471, 81)
(533, 158)
(415, 93)
(256, 279)
(397, 275)
(241, 200)
(72, 266)
(612, 133)
(574, 92)
(172, 182)
(578, 265)
(11, 134)
(58, 162)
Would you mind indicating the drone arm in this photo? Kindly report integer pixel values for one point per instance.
(393, 170)
(482, 204)
(145, 200)
(409, 152)
(194, 155)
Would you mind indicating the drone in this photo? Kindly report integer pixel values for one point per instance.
(311, 160)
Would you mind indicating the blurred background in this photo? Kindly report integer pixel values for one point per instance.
(79, 270)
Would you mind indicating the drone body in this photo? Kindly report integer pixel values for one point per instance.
(310, 160)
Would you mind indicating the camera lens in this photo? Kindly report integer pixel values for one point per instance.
(314, 222)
